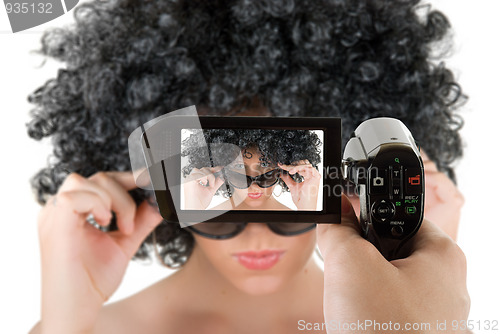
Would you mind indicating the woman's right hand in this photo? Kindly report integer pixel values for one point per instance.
(200, 187)
(83, 266)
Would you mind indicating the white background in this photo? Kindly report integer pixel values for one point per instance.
(475, 61)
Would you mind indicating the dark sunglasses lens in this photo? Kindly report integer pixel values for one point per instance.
(218, 230)
(268, 179)
(291, 228)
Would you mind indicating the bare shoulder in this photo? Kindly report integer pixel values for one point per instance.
(139, 313)
(151, 310)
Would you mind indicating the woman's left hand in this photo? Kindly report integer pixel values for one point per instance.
(305, 193)
(443, 200)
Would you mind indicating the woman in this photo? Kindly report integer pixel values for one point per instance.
(130, 61)
(260, 161)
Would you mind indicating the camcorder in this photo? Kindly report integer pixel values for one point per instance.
(384, 162)
(286, 171)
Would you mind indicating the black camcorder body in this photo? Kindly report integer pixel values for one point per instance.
(381, 160)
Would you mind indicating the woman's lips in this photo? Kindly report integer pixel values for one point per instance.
(259, 260)
(254, 195)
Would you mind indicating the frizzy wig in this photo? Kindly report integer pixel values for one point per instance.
(286, 147)
(130, 61)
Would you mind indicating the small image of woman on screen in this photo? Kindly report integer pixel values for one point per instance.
(249, 169)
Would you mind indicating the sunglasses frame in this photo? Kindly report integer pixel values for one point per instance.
(241, 226)
(253, 179)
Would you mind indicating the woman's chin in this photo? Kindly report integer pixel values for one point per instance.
(256, 203)
(260, 285)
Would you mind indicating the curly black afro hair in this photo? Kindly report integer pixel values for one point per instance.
(129, 61)
(275, 146)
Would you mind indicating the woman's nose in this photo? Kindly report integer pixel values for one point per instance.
(256, 228)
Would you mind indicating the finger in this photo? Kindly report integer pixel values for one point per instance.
(432, 246)
(428, 238)
(292, 176)
(429, 165)
(212, 176)
(292, 169)
(211, 180)
(145, 222)
(442, 187)
(121, 202)
(443, 202)
(194, 174)
(80, 203)
(291, 184)
(125, 179)
(338, 234)
(216, 169)
(306, 173)
(112, 188)
(300, 162)
(218, 183)
(349, 218)
(301, 167)
(285, 167)
(204, 181)
(75, 182)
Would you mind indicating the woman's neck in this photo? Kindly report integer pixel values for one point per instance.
(206, 290)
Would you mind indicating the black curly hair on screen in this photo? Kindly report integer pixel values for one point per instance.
(129, 61)
(275, 146)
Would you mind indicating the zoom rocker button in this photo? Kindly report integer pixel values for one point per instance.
(396, 173)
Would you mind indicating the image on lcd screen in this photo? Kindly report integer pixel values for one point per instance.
(252, 169)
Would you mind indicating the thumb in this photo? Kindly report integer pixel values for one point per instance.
(429, 239)
(219, 181)
(333, 235)
(146, 219)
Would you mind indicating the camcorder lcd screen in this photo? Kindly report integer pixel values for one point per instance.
(244, 169)
(251, 177)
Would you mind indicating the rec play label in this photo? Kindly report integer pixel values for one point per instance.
(26, 14)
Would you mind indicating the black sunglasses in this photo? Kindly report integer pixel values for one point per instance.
(243, 181)
(266, 180)
(228, 230)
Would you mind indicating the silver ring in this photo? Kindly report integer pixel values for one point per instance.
(91, 220)
(202, 184)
